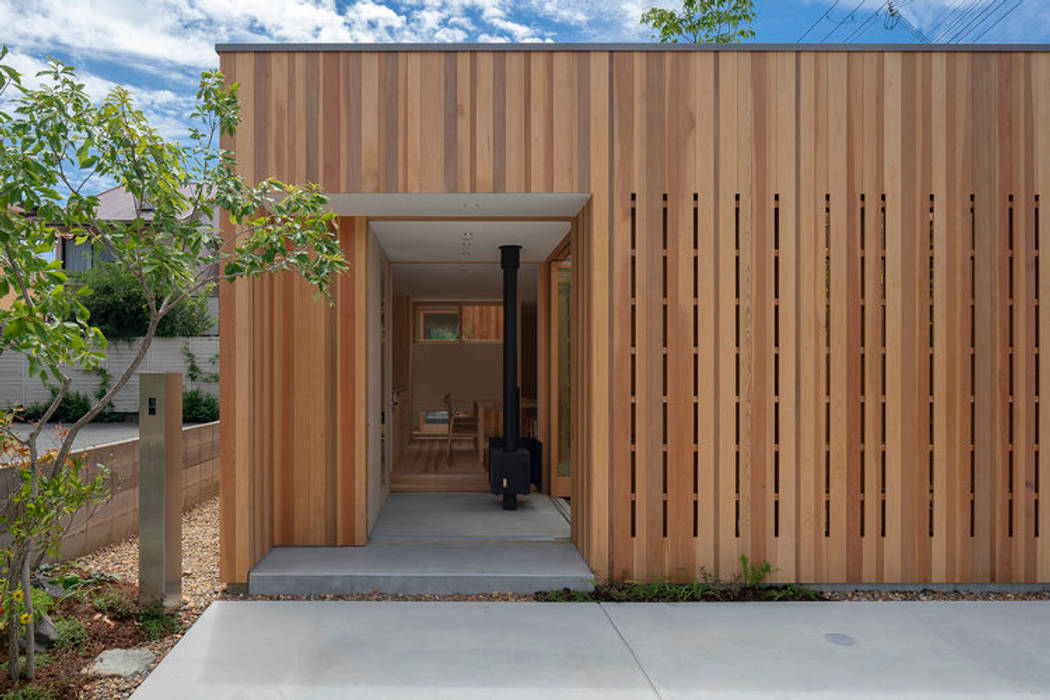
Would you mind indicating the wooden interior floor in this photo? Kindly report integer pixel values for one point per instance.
(424, 466)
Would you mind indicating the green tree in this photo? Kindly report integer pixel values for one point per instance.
(55, 144)
(703, 22)
(117, 306)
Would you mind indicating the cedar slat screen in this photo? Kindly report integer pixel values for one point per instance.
(806, 290)
(849, 503)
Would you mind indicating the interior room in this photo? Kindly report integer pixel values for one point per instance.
(436, 331)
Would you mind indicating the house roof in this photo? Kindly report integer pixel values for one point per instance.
(117, 204)
(395, 47)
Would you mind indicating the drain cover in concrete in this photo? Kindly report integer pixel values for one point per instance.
(843, 640)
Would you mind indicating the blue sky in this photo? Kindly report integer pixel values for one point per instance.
(157, 48)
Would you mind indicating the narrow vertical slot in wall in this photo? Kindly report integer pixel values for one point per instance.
(736, 361)
(634, 360)
(1035, 334)
(696, 363)
(882, 365)
(664, 359)
(972, 353)
(863, 356)
(826, 280)
(776, 365)
(1011, 356)
(930, 363)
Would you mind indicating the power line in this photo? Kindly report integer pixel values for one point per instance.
(864, 25)
(944, 15)
(959, 18)
(975, 22)
(818, 20)
(1001, 18)
(843, 21)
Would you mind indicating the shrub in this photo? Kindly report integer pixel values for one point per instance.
(199, 407)
(71, 633)
(118, 306)
(73, 405)
(115, 604)
(156, 623)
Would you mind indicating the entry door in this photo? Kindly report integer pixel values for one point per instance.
(561, 378)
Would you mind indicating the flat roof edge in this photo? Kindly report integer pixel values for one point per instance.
(404, 47)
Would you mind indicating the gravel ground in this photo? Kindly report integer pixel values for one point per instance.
(200, 582)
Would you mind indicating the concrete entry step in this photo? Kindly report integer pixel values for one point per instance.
(412, 568)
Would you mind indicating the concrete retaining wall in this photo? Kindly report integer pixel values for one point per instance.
(117, 518)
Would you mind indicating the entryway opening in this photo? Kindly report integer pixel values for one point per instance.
(442, 329)
(434, 354)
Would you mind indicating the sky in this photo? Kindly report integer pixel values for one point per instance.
(157, 48)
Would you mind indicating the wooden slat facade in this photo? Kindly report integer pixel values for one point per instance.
(807, 298)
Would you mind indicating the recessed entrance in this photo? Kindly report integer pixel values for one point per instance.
(435, 336)
(442, 331)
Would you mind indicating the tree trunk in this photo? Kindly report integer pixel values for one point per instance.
(30, 641)
(12, 623)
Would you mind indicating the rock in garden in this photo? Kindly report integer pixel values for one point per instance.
(45, 634)
(120, 662)
(53, 590)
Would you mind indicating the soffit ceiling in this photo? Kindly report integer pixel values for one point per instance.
(466, 205)
(467, 241)
(466, 282)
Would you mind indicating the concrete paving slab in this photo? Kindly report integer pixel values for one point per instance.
(479, 516)
(781, 650)
(257, 649)
(422, 567)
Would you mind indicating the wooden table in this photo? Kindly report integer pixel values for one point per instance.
(491, 410)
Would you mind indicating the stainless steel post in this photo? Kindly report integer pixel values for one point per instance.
(160, 488)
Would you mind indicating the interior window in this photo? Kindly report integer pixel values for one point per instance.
(439, 325)
(459, 322)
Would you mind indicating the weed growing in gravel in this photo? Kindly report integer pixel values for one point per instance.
(747, 585)
(156, 623)
(754, 575)
(71, 633)
(114, 604)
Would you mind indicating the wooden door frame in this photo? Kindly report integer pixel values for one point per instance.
(547, 375)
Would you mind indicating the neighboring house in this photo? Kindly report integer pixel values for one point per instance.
(18, 387)
(115, 204)
(786, 298)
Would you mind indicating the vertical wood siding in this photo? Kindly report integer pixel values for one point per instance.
(808, 299)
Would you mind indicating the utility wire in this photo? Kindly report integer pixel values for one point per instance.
(840, 24)
(818, 20)
(955, 22)
(1001, 18)
(864, 25)
(975, 23)
(944, 15)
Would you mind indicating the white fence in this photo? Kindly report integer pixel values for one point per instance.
(164, 355)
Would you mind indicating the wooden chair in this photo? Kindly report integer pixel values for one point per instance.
(462, 424)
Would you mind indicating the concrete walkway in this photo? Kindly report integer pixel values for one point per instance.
(334, 649)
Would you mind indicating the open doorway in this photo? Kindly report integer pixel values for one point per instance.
(445, 341)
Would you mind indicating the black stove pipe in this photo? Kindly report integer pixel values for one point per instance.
(510, 261)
